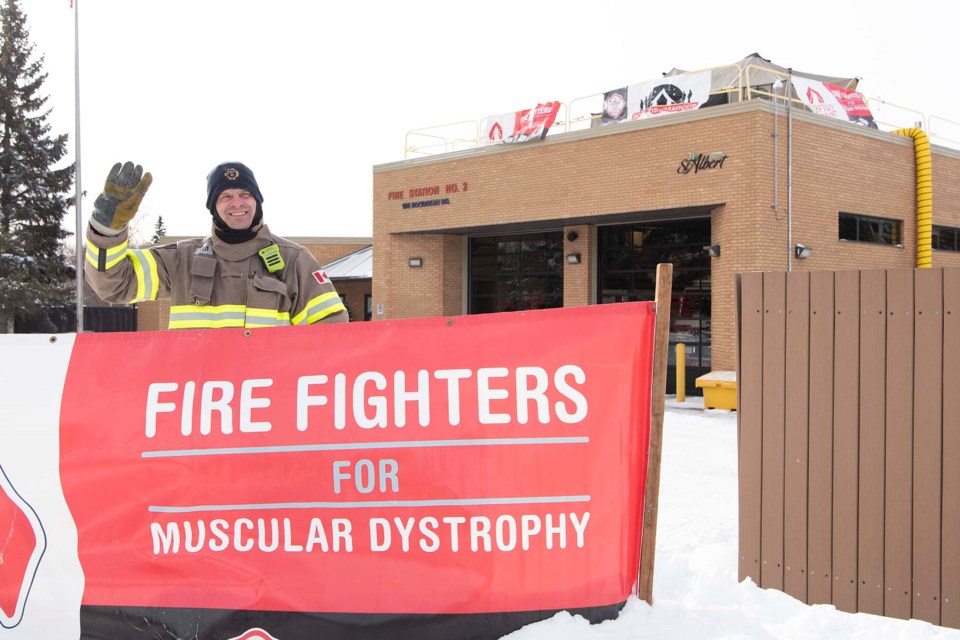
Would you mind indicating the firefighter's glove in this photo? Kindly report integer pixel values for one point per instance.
(122, 193)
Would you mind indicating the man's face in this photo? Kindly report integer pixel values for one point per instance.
(236, 207)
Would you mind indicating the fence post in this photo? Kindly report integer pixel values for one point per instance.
(658, 388)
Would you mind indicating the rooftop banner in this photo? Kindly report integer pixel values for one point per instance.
(671, 94)
(417, 478)
(831, 100)
(520, 126)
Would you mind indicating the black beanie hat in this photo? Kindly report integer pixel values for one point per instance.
(230, 175)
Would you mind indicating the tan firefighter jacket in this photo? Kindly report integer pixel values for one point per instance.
(213, 284)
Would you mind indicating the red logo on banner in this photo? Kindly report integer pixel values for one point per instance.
(321, 277)
(813, 96)
(254, 634)
(22, 543)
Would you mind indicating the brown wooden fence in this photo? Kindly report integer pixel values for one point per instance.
(849, 437)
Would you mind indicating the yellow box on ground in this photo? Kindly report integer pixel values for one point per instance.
(719, 390)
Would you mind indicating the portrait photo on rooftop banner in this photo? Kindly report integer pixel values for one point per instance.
(437, 477)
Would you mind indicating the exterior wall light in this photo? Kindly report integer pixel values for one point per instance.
(415, 262)
(713, 250)
(573, 258)
(802, 251)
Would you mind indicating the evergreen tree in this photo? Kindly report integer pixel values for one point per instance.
(35, 274)
(159, 230)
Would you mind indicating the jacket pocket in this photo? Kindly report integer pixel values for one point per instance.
(267, 292)
(202, 272)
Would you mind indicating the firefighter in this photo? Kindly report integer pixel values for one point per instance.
(240, 276)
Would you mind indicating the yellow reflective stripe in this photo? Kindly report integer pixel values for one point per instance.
(267, 318)
(328, 311)
(228, 315)
(114, 254)
(188, 316)
(148, 280)
(206, 324)
(319, 308)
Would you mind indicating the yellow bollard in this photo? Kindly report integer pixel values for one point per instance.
(681, 362)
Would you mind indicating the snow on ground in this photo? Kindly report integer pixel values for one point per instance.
(695, 589)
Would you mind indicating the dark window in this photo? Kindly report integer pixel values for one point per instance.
(627, 268)
(859, 228)
(343, 299)
(516, 272)
(945, 238)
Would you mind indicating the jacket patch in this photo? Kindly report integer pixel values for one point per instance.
(321, 276)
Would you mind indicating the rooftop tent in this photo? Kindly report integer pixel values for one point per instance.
(761, 72)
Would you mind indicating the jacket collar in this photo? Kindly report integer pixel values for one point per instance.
(242, 250)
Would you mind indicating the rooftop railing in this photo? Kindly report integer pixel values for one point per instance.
(753, 82)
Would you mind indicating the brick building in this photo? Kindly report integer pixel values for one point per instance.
(583, 217)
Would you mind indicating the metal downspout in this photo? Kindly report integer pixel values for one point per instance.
(921, 152)
(790, 170)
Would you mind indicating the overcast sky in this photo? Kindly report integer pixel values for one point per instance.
(312, 95)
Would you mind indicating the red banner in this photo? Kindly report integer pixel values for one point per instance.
(831, 100)
(521, 126)
(439, 466)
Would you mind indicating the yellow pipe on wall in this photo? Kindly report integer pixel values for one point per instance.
(681, 366)
(921, 152)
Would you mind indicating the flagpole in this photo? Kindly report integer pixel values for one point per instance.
(79, 191)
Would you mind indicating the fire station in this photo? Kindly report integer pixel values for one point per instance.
(752, 177)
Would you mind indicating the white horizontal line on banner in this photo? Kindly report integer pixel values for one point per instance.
(368, 504)
(354, 446)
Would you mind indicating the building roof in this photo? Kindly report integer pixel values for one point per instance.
(353, 266)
